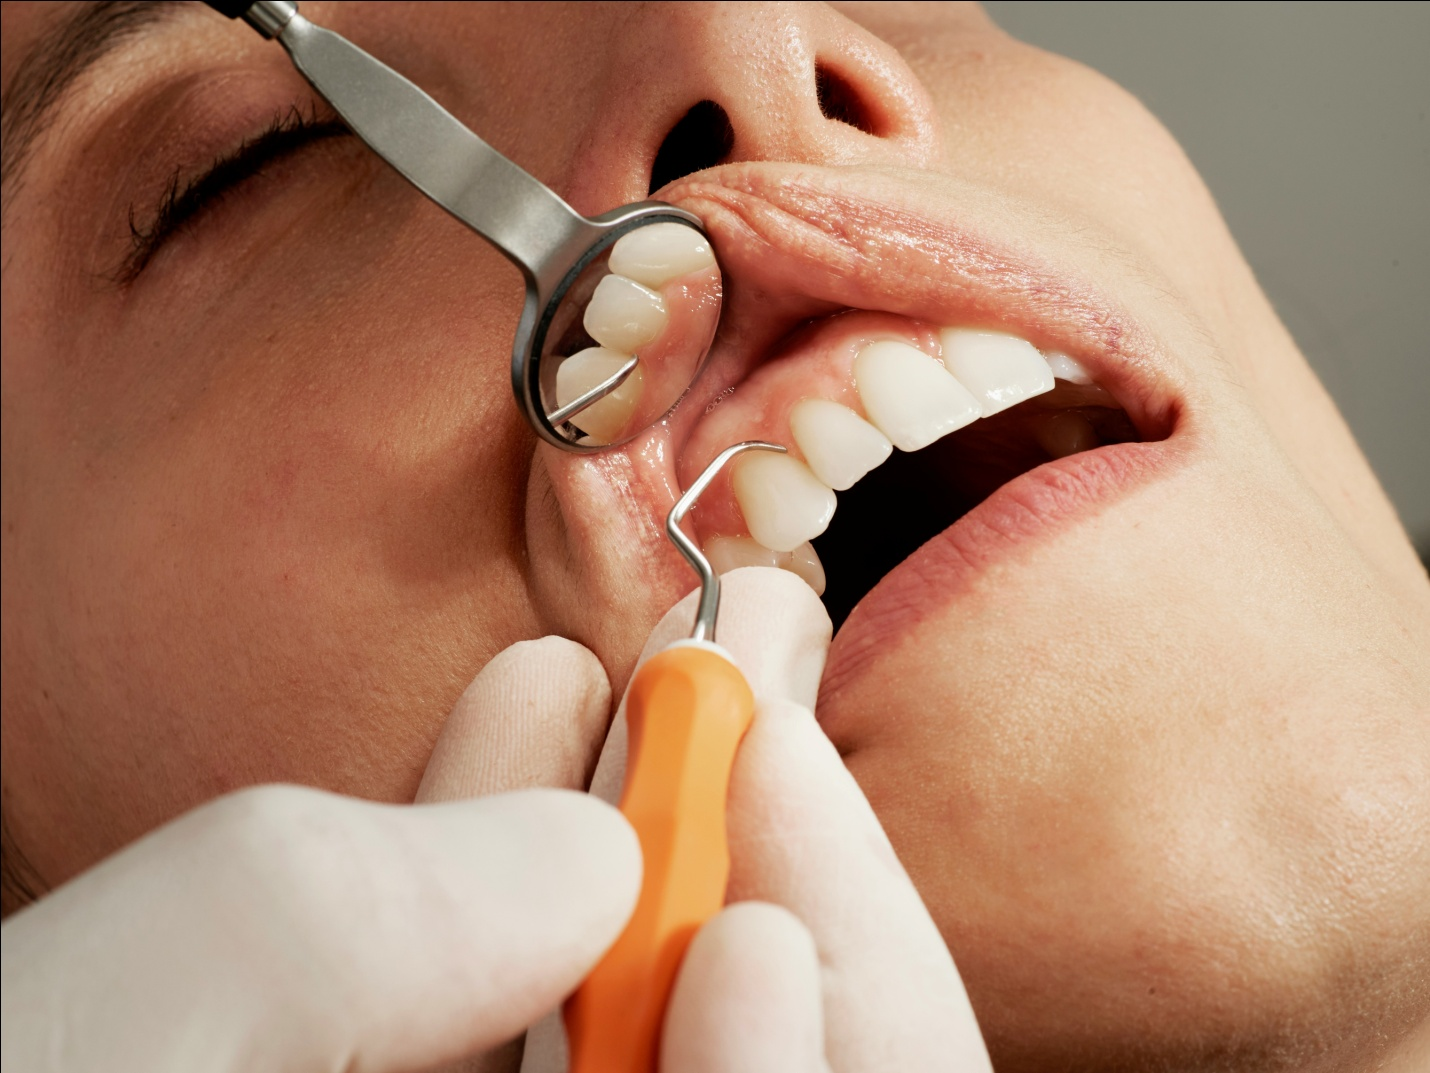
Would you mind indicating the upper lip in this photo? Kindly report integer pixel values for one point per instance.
(796, 241)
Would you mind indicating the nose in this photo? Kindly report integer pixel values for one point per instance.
(659, 91)
(789, 82)
(689, 86)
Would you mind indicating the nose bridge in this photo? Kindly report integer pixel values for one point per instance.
(798, 82)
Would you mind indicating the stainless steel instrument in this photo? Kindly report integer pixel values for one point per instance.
(561, 254)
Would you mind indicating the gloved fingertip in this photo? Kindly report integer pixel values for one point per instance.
(748, 996)
(778, 631)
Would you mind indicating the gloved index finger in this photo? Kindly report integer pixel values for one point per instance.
(536, 715)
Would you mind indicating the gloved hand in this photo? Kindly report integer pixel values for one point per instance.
(286, 929)
(826, 958)
(282, 928)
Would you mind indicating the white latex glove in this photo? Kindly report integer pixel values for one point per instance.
(287, 929)
(833, 961)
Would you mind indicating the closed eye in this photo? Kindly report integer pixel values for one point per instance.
(184, 202)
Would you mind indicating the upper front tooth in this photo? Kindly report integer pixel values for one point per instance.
(656, 254)
(604, 420)
(909, 396)
(783, 502)
(624, 316)
(1067, 368)
(839, 445)
(999, 369)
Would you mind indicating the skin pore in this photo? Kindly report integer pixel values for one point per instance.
(1158, 762)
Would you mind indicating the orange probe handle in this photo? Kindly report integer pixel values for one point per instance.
(687, 710)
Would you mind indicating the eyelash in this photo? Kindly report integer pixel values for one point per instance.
(182, 203)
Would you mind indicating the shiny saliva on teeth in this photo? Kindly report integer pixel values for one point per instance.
(620, 308)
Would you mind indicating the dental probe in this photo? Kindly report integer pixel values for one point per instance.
(560, 252)
(686, 712)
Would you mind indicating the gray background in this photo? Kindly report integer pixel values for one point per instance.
(1308, 122)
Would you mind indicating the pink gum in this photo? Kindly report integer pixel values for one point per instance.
(669, 361)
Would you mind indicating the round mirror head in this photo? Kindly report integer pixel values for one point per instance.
(626, 335)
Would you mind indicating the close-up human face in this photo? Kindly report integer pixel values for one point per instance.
(1134, 672)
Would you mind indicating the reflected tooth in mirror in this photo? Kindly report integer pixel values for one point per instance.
(1001, 370)
(783, 502)
(1066, 368)
(909, 396)
(624, 316)
(606, 419)
(837, 444)
(1065, 434)
(656, 254)
(804, 561)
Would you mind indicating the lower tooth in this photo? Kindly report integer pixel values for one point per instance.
(1066, 434)
(606, 419)
(1066, 368)
(728, 553)
(909, 396)
(1001, 370)
(839, 445)
(784, 504)
(804, 561)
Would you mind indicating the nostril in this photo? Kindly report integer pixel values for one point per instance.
(841, 102)
(703, 138)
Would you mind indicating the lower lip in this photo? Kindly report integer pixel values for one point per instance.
(1028, 510)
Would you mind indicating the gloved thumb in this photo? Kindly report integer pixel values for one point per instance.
(536, 715)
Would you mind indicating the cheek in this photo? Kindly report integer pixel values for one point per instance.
(287, 569)
(1048, 132)
(1107, 767)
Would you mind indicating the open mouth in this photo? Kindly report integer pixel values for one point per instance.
(913, 497)
(895, 429)
(949, 391)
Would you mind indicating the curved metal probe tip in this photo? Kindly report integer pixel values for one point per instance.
(588, 399)
(709, 580)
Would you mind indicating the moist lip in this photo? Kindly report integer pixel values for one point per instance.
(914, 498)
(1034, 506)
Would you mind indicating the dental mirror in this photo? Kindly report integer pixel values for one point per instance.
(620, 308)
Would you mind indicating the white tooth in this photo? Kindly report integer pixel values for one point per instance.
(1066, 434)
(838, 444)
(605, 420)
(909, 396)
(783, 502)
(1066, 368)
(999, 369)
(805, 562)
(728, 553)
(624, 316)
(659, 253)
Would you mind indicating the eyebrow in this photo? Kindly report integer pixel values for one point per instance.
(55, 62)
